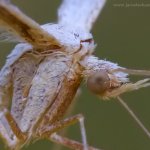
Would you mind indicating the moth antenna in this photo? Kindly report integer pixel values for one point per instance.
(133, 71)
(121, 101)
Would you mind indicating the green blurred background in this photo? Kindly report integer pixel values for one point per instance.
(123, 36)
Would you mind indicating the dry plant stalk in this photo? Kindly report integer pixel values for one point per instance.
(45, 70)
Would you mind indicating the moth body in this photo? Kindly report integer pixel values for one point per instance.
(43, 73)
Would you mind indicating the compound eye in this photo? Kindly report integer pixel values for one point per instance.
(99, 82)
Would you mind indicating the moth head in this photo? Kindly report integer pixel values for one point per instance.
(106, 84)
(99, 82)
(112, 83)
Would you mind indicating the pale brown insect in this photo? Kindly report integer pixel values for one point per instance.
(46, 69)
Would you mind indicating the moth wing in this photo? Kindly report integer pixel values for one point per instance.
(80, 13)
(21, 28)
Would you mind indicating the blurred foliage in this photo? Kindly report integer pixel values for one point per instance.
(122, 34)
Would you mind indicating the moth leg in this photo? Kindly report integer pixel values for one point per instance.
(47, 132)
(10, 132)
(68, 142)
(5, 136)
(69, 113)
(8, 121)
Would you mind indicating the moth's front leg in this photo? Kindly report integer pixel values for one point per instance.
(9, 130)
(49, 132)
(8, 140)
(72, 144)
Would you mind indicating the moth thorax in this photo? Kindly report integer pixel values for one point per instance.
(99, 82)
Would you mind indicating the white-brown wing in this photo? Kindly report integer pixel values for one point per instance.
(80, 13)
(45, 87)
(23, 27)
